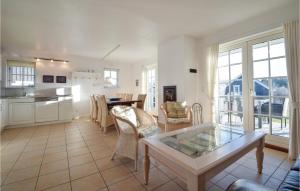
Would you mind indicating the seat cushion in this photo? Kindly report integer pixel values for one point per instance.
(178, 120)
(175, 110)
(246, 185)
(291, 181)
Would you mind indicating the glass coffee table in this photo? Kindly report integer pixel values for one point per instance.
(196, 154)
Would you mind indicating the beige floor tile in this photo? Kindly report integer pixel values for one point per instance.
(156, 178)
(31, 154)
(239, 172)
(130, 184)
(83, 170)
(268, 168)
(53, 179)
(89, 183)
(26, 185)
(34, 148)
(106, 163)
(115, 174)
(273, 183)
(28, 162)
(280, 174)
(169, 186)
(22, 174)
(218, 177)
(102, 154)
(54, 157)
(226, 181)
(78, 152)
(56, 149)
(54, 166)
(81, 159)
(62, 187)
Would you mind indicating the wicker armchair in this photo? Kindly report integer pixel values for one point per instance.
(142, 98)
(176, 115)
(132, 124)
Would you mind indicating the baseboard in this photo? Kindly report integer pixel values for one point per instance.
(274, 147)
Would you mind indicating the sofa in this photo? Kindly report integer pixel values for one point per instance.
(291, 182)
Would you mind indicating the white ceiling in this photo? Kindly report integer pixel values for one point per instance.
(92, 28)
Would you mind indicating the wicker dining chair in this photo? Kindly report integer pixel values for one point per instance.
(106, 118)
(99, 113)
(94, 110)
(132, 124)
(142, 98)
(128, 97)
(197, 114)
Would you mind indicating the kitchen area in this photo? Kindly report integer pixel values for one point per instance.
(23, 103)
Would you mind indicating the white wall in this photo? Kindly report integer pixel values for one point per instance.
(261, 23)
(175, 57)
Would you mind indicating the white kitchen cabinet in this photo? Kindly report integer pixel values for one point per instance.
(4, 113)
(46, 111)
(65, 110)
(21, 113)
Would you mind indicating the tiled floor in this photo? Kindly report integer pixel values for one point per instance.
(76, 156)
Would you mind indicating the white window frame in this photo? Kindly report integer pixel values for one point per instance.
(22, 65)
(117, 79)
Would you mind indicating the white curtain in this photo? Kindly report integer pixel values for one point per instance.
(213, 54)
(291, 35)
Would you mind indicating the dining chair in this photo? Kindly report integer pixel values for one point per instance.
(106, 118)
(142, 98)
(99, 114)
(91, 107)
(197, 114)
(128, 97)
(94, 108)
(132, 124)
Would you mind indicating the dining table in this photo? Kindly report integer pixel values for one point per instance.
(111, 103)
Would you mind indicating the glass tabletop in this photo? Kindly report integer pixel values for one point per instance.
(200, 141)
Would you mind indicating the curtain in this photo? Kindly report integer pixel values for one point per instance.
(291, 35)
(213, 54)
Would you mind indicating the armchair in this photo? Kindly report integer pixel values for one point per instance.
(132, 124)
(176, 115)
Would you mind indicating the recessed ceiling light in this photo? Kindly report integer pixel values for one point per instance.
(37, 59)
(51, 60)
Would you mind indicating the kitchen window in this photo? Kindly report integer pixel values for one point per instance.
(20, 73)
(111, 78)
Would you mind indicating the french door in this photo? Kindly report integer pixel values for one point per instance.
(253, 87)
(268, 88)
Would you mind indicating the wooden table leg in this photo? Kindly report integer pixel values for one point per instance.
(260, 155)
(195, 183)
(146, 164)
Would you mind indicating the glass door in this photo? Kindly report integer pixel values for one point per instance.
(230, 87)
(269, 95)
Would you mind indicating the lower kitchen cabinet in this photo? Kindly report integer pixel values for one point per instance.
(21, 113)
(46, 111)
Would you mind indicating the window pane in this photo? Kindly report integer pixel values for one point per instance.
(223, 59)
(278, 105)
(262, 122)
(260, 51)
(236, 119)
(277, 48)
(236, 71)
(236, 88)
(106, 74)
(223, 103)
(261, 106)
(261, 87)
(113, 74)
(280, 126)
(236, 56)
(113, 82)
(280, 87)
(223, 89)
(224, 118)
(237, 104)
(260, 69)
(223, 73)
(278, 67)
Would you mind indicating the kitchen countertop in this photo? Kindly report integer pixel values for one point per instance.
(36, 98)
